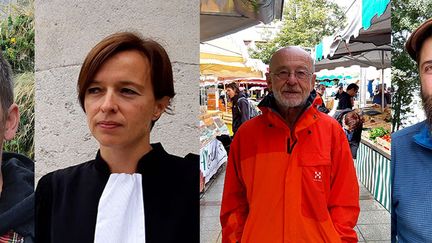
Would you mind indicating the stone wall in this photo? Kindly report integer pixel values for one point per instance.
(67, 30)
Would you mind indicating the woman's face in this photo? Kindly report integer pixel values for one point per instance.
(120, 104)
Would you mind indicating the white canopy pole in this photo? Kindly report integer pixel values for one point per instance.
(382, 81)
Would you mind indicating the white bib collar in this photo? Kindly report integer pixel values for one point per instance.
(120, 216)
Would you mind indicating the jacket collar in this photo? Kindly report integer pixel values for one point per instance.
(308, 115)
(238, 96)
(424, 137)
(147, 161)
(270, 102)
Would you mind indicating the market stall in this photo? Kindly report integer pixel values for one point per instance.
(222, 61)
(220, 18)
(373, 155)
(212, 153)
(366, 41)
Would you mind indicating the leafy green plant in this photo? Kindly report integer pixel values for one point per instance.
(24, 96)
(17, 46)
(377, 132)
(17, 36)
(406, 16)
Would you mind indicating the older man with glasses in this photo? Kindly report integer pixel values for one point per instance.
(290, 176)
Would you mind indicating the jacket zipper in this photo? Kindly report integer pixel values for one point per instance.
(289, 146)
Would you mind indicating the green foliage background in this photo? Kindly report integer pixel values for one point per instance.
(305, 23)
(17, 46)
(406, 16)
(24, 96)
(17, 36)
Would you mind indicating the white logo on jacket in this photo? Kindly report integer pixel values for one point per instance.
(318, 176)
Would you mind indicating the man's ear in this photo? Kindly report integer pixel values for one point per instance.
(268, 79)
(160, 107)
(313, 80)
(12, 121)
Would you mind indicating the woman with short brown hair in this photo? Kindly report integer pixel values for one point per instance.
(124, 86)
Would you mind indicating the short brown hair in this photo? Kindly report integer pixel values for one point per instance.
(160, 64)
(234, 87)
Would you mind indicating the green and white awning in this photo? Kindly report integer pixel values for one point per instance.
(365, 41)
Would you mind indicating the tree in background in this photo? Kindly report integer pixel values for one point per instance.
(17, 36)
(17, 46)
(406, 16)
(305, 23)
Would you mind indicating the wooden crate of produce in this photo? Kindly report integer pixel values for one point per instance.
(384, 143)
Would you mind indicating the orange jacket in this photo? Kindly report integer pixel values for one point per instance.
(284, 186)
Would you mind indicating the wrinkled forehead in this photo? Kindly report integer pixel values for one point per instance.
(291, 58)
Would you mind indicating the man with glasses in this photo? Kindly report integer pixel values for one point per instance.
(290, 176)
(16, 172)
(411, 161)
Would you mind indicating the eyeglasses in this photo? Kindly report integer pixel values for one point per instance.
(299, 74)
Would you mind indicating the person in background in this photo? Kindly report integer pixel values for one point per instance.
(350, 121)
(240, 106)
(377, 99)
(352, 124)
(16, 171)
(390, 92)
(320, 90)
(346, 99)
(370, 88)
(411, 155)
(339, 91)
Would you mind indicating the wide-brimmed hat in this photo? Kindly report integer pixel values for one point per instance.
(414, 42)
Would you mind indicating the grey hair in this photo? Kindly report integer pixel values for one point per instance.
(6, 85)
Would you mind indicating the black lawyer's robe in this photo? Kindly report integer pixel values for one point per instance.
(67, 200)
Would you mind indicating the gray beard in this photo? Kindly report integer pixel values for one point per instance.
(427, 106)
(285, 104)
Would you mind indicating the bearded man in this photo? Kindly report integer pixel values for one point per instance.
(411, 162)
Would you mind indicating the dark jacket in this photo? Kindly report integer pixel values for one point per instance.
(411, 172)
(320, 106)
(67, 200)
(240, 111)
(377, 99)
(354, 142)
(17, 197)
(344, 101)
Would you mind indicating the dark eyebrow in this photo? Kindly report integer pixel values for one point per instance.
(138, 86)
(122, 82)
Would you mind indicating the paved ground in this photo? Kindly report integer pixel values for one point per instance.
(373, 224)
